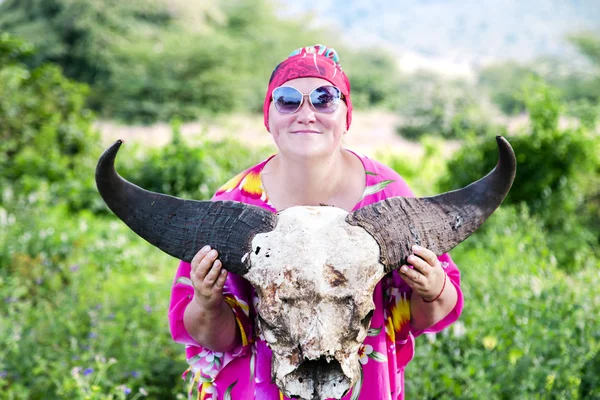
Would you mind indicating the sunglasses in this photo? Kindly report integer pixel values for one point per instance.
(324, 99)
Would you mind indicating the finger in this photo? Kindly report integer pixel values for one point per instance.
(199, 256)
(412, 277)
(420, 265)
(429, 256)
(220, 283)
(212, 275)
(205, 265)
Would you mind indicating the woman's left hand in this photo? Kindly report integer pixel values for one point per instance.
(427, 278)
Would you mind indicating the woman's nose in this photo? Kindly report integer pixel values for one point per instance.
(306, 113)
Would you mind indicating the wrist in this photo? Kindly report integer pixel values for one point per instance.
(439, 294)
(208, 311)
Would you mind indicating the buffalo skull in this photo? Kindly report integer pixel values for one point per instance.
(314, 269)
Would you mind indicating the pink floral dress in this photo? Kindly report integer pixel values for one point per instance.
(245, 372)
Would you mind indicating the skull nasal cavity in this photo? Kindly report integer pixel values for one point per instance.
(321, 371)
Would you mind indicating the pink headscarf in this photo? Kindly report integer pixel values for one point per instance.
(316, 61)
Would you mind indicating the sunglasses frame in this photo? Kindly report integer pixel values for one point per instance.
(304, 95)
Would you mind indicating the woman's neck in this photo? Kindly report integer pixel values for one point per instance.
(292, 182)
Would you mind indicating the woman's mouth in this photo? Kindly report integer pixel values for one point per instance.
(305, 132)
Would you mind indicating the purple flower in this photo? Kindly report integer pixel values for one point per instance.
(74, 267)
(93, 335)
(88, 371)
(126, 390)
(135, 374)
(39, 281)
(3, 374)
(148, 308)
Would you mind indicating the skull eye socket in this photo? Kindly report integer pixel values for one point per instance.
(367, 319)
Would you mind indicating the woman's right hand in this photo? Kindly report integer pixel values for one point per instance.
(208, 279)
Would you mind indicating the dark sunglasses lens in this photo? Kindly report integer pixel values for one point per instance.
(325, 99)
(287, 99)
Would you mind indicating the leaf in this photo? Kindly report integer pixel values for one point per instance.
(194, 360)
(380, 357)
(369, 190)
(374, 331)
(252, 366)
(357, 386)
(371, 173)
(227, 395)
(184, 280)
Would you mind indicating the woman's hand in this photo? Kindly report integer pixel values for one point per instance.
(208, 279)
(427, 278)
(208, 318)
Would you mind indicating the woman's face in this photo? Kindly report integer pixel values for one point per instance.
(307, 133)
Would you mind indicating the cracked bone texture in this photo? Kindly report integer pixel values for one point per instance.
(314, 276)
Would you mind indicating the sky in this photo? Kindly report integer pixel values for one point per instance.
(459, 32)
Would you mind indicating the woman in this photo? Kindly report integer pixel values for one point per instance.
(307, 110)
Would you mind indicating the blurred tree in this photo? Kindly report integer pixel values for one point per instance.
(82, 36)
(376, 79)
(558, 175)
(432, 105)
(503, 82)
(46, 136)
(150, 60)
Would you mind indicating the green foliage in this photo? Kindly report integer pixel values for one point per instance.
(557, 175)
(84, 306)
(420, 172)
(588, 44)
(528, 330)
(46, 136)
(375, 79)
(504, 82)
(448, 109)
(82, 37)
(150, 60)
(190, 171)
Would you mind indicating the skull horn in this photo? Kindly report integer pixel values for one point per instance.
(181, 227)
(438, 223)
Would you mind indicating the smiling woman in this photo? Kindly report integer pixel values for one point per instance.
(307, 110)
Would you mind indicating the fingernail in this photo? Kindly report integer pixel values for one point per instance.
(410, 258)
(403, 269)
(416, 247)
(205, 248)
(212, 253)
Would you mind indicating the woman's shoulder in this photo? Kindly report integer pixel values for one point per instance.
(382, 181)
(244, 187)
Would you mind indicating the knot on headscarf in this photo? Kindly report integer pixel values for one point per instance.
(316, 61)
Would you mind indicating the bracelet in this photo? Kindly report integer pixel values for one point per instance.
(442, 291)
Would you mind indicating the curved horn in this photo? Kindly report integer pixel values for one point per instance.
(181, 227)
(438, 223)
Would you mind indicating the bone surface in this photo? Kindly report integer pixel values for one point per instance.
(314, 276)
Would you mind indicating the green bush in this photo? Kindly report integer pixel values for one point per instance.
(84, 309)
(504, 82)
(46, 137)
(528, 330)
(193, 171)
(447, 109)
(557, 175)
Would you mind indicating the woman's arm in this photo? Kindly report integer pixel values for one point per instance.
(426, 314)
(208, 318)
(434, 296)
